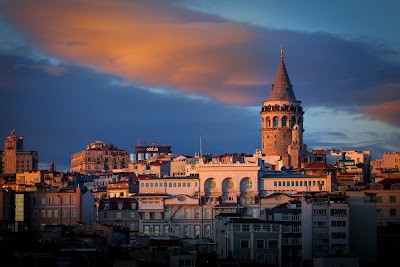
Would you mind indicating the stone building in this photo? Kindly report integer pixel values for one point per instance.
(14, 159)
(99, 158)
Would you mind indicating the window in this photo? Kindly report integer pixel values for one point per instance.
(43, 214)
(272, 243)
(339, 235)
(319, 212)
(276, 121)
(43, 200)
(392, 199)
(35, 214)
(34, 200)
(338, 223)
(319, 224)
(244, 243)
(120, 206)
(73, 200)
(392, 212)
(187, 230)
(338, 212)
(260, 243)
(132, 215)
(73, 213)
(378, 198)
(49, 200)
(105, 215)
(56, 214)
(49, 214)
(118, 215)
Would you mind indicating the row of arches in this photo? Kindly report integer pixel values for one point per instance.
(277, 107)
(228, 185)
(284, 121)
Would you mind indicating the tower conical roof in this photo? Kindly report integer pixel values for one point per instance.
(282, 88)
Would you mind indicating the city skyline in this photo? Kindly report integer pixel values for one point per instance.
(172, 71)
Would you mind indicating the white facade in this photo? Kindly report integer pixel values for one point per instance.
(293, 183)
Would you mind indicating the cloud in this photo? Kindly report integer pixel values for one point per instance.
(388, 112)
(158, 44)
(53, 70)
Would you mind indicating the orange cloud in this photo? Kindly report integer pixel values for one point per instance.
(387, 112)
(152, 43)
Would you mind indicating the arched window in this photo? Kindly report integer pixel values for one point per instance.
(268, 120)
(292, 121)
(276, 121)
(284, 121)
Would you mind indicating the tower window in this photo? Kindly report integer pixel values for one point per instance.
(284, 121)
(276, 144)
(276, 121)
(292, 121)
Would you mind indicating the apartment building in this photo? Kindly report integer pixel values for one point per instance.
(67, 206)
(325, 225)
(99, 158)
(14, 159)
(289, 216)
(144, 151)
(169, 206)
(351, 161)
(387, 166)
(363, 225)
(119, 212)
(248, 239)
(387, 200)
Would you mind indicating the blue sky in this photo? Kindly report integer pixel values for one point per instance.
(72, 72)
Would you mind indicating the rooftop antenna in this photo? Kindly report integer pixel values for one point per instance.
(201, 154)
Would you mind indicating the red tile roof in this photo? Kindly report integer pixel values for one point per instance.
(320, 165)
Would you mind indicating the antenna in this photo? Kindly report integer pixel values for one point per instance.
(201, 154)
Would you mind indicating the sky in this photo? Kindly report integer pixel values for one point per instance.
(194, 74)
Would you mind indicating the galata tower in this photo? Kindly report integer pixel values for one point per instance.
(282, 121)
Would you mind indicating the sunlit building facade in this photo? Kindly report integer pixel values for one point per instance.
(99, 158)
(14, 159)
